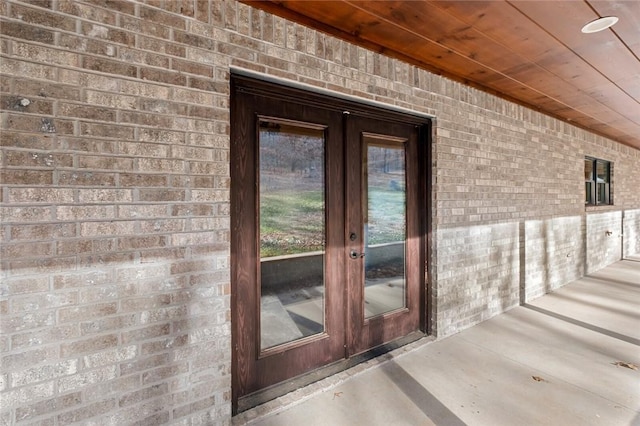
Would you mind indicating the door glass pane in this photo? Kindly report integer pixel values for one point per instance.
(384, 225)
(292, 232)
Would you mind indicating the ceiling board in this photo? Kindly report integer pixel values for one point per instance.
(531, 52)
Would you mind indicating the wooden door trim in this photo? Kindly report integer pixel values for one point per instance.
(241, 265)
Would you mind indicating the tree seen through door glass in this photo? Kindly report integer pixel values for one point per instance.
(385, 227)
(292, 231)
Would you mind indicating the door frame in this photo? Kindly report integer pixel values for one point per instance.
(285, 92)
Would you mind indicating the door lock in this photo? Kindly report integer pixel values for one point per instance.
(355, 255)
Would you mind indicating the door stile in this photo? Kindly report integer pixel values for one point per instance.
(353, 235)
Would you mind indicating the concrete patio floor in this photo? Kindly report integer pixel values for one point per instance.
(567, 358)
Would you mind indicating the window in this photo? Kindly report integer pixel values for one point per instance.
(597, 181)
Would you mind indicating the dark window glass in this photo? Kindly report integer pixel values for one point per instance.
(597, 175)
(588, 181)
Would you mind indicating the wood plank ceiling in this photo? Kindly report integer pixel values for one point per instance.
(531, 52)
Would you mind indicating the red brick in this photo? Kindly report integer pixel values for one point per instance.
(85, 144)
(161, 46)
(83, 111)
(26, 177)
(142, 242)
(164, 372)
(104, 195)
(192, 210)
(144, 27)
(40, 53)
(75, 212)
(25, 250)
(142, 394)
(145, 303)
(152, 256)
(107, 130)
(42, 232)
(43, 337)
(168, 77)
(156, 15)
(162, 226)
(147, 333)
(193, 40)
(107, 324)
(104, 162)
(38, 124)
(102, 229)
(110, 34)
(193, 407)
(89, 345)
(155, 164)
(84, 246)
(162, 195)
(143, 180)
(81, 279)
(155, 419)
(141, 364)
(42, 17)
(29, 159)
(50, 405)
(31, 105)
(115, 5)
(204, 182)
(85, 178)
(109, 66)
(16, 323)
(27, 266)
(202, 11)
(83, 313)
(18, 67)
(87, 411)
(143, 57)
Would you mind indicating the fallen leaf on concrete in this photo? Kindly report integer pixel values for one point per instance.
(336, 394)
(538, 379)
(626, 365)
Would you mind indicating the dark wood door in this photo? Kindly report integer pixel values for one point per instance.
(327, 247)
(287, 239)
(385, 242)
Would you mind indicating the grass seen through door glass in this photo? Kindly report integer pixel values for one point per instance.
(291, 222)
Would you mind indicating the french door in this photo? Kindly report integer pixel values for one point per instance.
(328, 231)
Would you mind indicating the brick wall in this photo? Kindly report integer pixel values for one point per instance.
(115, 198)
(631, 233)
(603, 239)
(553, 254)
(115, 285)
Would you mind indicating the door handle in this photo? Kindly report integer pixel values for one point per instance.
(355, 255)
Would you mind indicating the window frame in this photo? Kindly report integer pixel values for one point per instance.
(591, 185)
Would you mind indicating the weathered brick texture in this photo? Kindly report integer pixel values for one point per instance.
(603, 239)
(631, 232)
(115, 293)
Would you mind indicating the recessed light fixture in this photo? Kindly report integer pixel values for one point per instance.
(599, 24)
